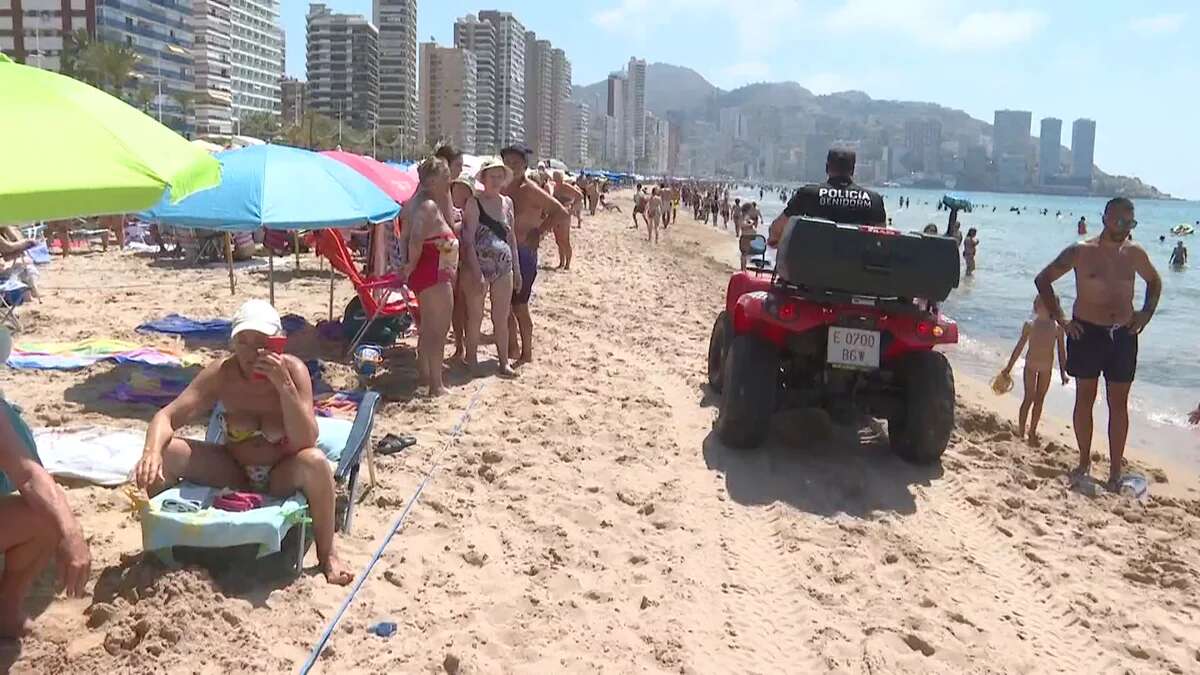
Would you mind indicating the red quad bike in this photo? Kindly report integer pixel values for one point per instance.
(847, 321)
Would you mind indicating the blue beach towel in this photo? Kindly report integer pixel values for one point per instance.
(202, 329)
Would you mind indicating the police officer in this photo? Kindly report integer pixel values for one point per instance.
(838, 199)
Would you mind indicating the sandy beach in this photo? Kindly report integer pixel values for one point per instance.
(587, 519)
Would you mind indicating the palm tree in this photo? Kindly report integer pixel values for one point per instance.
(73, 46)
(315, 132)
(259, 125)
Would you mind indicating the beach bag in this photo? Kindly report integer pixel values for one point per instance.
(383, 330)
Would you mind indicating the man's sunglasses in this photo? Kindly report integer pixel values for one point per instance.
(1127, 223)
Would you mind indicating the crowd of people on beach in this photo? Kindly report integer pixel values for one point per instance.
(468, 240)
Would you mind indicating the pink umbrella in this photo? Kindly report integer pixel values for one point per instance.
(399, 185)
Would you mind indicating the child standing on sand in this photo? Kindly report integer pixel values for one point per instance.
(1042, 334)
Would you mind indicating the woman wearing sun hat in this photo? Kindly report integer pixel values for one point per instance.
(488, 254)
(462, 190)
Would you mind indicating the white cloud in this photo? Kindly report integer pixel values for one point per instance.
(938, 24)
(1160, 24)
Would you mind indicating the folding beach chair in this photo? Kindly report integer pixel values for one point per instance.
(380, 296)
(271, 529)
(12, 293)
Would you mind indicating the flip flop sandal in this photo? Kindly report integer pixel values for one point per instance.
(391, 444)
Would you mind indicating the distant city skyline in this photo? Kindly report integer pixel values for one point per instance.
(975, 56)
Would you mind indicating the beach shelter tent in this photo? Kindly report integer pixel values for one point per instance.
(73, 150)
(279, 188)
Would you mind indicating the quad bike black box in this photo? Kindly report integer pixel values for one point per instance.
(826, 256)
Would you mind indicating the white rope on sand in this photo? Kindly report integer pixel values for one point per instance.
(392, 531)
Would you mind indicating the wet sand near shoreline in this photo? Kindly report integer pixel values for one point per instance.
(587, 519)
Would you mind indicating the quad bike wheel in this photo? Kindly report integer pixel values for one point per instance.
(718, 349)
(920, 432)
(749, 394)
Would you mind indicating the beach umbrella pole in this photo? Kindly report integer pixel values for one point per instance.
(271, 273)
(331, 292)
(229, 261)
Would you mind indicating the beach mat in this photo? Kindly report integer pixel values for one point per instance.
(199, 329)
(93, 454)
(152, 385)
(85, 353)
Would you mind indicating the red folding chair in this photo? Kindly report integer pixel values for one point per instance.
(381, 296)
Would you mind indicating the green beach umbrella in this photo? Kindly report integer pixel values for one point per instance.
(68, 149)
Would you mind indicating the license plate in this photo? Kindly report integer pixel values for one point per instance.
(853, 348)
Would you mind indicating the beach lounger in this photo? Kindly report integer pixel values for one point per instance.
(180, 520)
(381, 296)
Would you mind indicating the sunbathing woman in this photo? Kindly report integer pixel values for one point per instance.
(271, 431)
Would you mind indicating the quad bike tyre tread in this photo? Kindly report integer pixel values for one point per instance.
(718, 349)
(921, 431)
(749, 394)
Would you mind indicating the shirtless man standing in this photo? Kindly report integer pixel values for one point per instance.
(572, 200)
(535, 213)
(639, 206)
(1102, 335)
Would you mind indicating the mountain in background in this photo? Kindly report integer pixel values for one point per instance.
(685, 94)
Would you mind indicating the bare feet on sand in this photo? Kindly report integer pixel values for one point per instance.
(506, 372)
(336, 572)
(1034, 439)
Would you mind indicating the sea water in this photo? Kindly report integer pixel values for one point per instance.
(992, 305)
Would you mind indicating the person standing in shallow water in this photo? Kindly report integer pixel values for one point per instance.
(1102, 335)
(1082, 225)
(970, 246)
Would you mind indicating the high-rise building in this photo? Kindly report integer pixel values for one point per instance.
(615, 143)
(1049, 149)
(32, 31)
(343, 67)
(635, 106)
(256, 53)
(1083, 150)
(291, 94)
(161, 34)
(510, 76)
(397, 24)
(923, 143)
(1012, 148)
(560, 98)
(446, 96)
(479, 37)
(539, 96)
(674, 141)
(658, 136)
(732, 124)
(576, 153)
(212, 45)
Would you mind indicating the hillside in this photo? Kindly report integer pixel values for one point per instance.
(851, 115)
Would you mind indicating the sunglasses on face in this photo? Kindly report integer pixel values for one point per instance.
(1127, 223)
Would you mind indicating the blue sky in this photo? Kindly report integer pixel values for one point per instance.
(1133, 67)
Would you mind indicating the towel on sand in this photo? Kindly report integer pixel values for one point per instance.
(94, 454)
(200, 329)
(85, 353)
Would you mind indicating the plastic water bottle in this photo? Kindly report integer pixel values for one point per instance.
(1135, 487)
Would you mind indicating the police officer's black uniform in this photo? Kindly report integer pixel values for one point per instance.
(839, 199)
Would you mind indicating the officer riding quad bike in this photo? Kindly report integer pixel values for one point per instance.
(846, 321)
